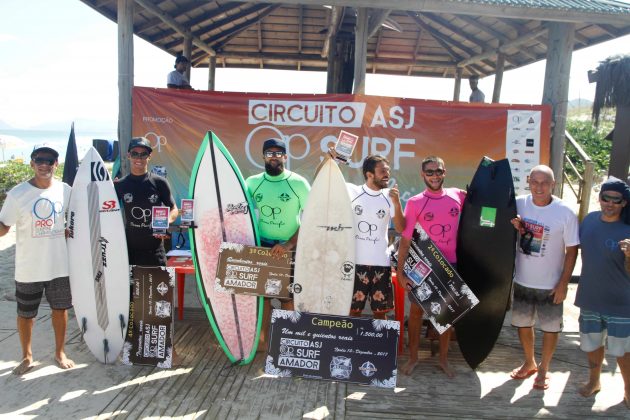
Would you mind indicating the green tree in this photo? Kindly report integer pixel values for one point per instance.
(12, 173)
(593, 142)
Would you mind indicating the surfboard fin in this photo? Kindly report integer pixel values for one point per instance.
(122, 325)
(105, 348)
(83, 325)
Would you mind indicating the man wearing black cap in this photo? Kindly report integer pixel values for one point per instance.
(177, 79)
(279, 196)
(37, 208)
(139, 192)
(603, 293)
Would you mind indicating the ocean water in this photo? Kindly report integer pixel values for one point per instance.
(18, 144)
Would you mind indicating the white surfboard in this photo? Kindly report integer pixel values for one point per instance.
(98, 261)
(325, 253)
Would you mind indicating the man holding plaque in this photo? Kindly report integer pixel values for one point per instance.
(139, 192)
(437, 209)
(374, 205)
(280, 197)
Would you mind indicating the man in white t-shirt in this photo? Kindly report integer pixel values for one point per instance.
(177, 79)
(548, 246)
(37, 208)
(374, 205)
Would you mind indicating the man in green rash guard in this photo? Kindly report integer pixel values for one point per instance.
(279, 196)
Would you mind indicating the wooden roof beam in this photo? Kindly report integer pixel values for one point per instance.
(226, 20)
(225, 36)
(446, 24)
(176, 26)
(300, 26)
(336, 16)
(211, 14)
(376, 19)
(503, 48)
(505, 10)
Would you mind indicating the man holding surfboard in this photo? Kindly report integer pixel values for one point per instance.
(545, 258)
(138, 192)
(279, 196)
(37, 208)
(437, 209)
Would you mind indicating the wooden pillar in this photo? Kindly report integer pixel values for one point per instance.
(498, 78)
(332, 70)
(188, 54)
(212, 68)
(360, 50)
(458, 84)
(620, 153)
(125, 79)
(556, 90)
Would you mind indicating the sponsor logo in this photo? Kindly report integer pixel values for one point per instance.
(284, 197)
(109, 205)
(358, 210)
(529, 142)
(347, 270)
(380, 213)
(162, 288)
(156, 141)
(153, 198)
(454, 211)
(238, 208)
(258, 197)
(139, 213)
(515, 151)
(516, 160)
(295, 288)
(128, 198)
(368, 369)
(71, 225)
(98, 172)
(103, 243)
(337, 228)
(428, 216)
(340, 367)
(365, 227)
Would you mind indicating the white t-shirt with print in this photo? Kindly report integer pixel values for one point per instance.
(39, 219)
(372, 211)
(554, 227)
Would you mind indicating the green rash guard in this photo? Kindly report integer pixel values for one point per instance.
(279, 201)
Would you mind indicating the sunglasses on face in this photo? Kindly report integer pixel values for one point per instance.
(43, 160)
(273, 154)
(431, 172)
(611, 199)
(141, 155)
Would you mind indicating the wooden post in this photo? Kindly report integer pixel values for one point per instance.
(556, 90)
(498, 78)
(331, 71)
(188, 54)
(125, 79)
(458, 84)
(620, 153)
(212, 68)
(360, 50)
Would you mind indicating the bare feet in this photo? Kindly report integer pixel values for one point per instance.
(589, 389)
(409, 366)
(63, 362)
(450, 373)
(25, 365)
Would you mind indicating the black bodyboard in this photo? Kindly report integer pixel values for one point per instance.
(485, 256)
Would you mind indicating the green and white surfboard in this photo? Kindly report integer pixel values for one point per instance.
(223, 213)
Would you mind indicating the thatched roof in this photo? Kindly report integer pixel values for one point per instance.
(434, 41)
(613, 84)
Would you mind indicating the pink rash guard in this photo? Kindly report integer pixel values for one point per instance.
(438, 214)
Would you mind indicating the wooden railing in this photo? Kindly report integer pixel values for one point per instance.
(571, 173)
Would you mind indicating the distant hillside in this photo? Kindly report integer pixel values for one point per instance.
(580, 104)
(80, 125)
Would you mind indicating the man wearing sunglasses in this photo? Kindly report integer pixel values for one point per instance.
(37, 208)
(437, 209)
(279, 196)
(138, 192)
(603, 293)
(545, 259)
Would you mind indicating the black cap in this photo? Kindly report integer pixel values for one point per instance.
(140, 142)
(615, 184)
(181, 59)
(44, 147)
(268, 144)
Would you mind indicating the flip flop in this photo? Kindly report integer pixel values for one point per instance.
(542, 385)
(519, 374)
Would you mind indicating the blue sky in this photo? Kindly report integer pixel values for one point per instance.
(58, 64)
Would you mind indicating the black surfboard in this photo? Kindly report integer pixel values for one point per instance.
(485, 256)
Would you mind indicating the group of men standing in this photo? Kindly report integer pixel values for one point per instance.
(547, 249)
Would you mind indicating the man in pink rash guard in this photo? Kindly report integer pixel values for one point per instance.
(437, 209)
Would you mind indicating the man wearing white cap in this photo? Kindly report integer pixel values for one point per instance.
(37, 208)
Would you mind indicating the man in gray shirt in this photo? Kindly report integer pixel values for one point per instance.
(476, 95)
(177, 79)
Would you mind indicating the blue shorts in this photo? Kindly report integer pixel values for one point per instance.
(597, 330)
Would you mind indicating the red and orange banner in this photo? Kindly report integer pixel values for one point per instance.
(403, 130)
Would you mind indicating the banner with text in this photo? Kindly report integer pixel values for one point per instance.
(404, 130)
